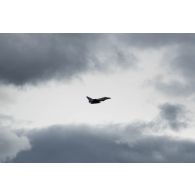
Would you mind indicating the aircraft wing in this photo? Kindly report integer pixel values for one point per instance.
(104, 98)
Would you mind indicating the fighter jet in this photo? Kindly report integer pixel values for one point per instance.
(98, 100)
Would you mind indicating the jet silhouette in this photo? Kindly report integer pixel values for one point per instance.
(98, 100)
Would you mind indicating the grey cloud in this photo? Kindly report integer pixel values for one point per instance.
(77, 144)
(5, 120)
(135, 142)
(155, 40)
(70, 144)
(184, 61)
(11, 143)
(173, 116)
(180, 62)
(184, 64)
(31, 58)
(173, 88)
(5, 97)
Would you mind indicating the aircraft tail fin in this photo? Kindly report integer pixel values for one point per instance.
(89, 98)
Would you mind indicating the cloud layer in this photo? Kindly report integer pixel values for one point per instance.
(11, 143)
(77, 144)
(174, 116)
(136, 142)
(179, 64)
(32, 58)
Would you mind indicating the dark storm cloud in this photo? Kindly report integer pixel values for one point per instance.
(173, 116)
(70, 144)
(106, 144)
(155, 40)
(136, 142)
(31, 58)
(11, 143)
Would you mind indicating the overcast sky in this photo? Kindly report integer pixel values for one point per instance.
(45, 116)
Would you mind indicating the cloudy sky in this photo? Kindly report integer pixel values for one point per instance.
(45, 116)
